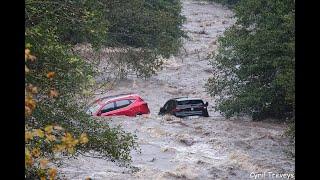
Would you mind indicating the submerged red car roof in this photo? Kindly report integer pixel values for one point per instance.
(115, 97)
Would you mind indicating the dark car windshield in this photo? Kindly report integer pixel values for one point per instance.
(185, 102)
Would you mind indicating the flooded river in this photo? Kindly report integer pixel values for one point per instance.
(194, 147)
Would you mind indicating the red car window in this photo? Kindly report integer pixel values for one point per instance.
(108, 107)
(122, 103)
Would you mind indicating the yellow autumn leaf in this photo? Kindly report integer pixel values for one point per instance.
(67, 138)
(83, 138)
(74, 142)
(28, 56)
(27, 152)
(59, 148)
(27, 110)
(55, 149)
(48, 129)
(38, 132)
(43, 163)
(53, 93)
(70, 150)
(28, 136)
(28, 158)
(30, 102)
(52, 172)
(27, 51)
(50, 75)
(50, 137)
(32, 89)
(26, 69)
(35, 152)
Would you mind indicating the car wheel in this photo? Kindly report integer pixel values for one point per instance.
(205, 113)
(174, 114)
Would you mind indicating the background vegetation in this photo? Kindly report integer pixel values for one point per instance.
(254, 68)
(56, 76)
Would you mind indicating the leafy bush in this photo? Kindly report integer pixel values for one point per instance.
(254, 66)
(42, 144)
(54, 79)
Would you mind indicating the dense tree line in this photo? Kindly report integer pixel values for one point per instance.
(153, 25)
(254, 66)
(56, 76)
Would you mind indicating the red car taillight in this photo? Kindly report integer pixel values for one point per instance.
(176, 110)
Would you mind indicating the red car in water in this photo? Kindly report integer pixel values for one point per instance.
(122, 104)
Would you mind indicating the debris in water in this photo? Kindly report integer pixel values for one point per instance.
(153, 159)
(188, 142)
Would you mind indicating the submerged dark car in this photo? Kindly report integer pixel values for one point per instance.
(184, 106)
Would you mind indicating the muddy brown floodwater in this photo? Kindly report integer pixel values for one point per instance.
(194, 147)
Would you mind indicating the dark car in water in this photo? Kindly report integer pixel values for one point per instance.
(184, 106)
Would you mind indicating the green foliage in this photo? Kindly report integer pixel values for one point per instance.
(151, 28)
(254, 67)
(149, 24)
(57, 76)
(291, 133)
(71, 21)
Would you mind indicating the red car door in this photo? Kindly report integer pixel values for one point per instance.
(107, 109)
(123, 107)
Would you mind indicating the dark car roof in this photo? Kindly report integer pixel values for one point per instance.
(185, 99)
